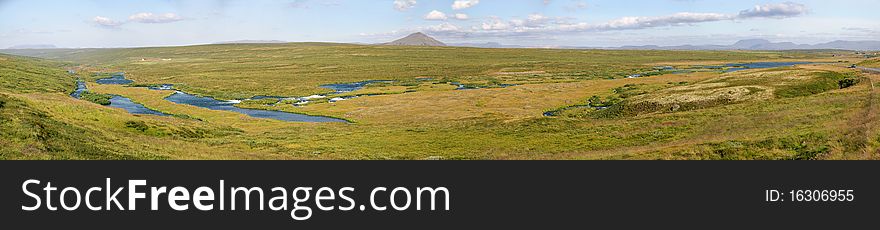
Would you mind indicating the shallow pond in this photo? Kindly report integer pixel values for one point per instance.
(161, 87)
(350, 87)
(118, 102)
(116, 79)
(214, 104)
(760, 65)
(134, 108)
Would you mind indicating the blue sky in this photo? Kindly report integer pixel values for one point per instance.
(129, 23)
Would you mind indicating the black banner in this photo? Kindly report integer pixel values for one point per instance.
(481, 194)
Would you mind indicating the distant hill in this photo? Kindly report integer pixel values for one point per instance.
(761, 44)
(36, 46)
(852, 45)
(479, 45)
(486, 45)
(252, 42)
(747, 44)
(416, 39)
(750, 43)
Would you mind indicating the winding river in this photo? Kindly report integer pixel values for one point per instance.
(80, 89)
(203, 102)
(115, 79)
(214, 104)
(134, 108)
(117, 101)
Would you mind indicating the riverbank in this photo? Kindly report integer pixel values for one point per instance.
(203, 102)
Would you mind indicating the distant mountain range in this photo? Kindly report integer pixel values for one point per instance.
(30, 47)
(416, 39)
(252, 42)
(421, 39)
(487, 45)
(761, 44)
(748, 44)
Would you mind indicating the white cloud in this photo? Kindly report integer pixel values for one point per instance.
(403, 5)
(464, 4)
(139, 17)
(778, 10)
(539, 26)
(532, 21)
(461, 16)
(444, 27)
(541, 23)
(861, 31)
(155, 18)
(495, 24)
(436, 15)
(537, 18)
(106, 22)
(669, 20)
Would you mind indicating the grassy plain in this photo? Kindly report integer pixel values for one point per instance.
(872, 63)
(784, 113)
(297, 69)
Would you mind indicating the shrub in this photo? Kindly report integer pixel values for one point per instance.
(191, 133)
(848, 82)
(137, 125)
(186, 116)
(800, 147)
(101, 99)
(628, 108)
(824, 81)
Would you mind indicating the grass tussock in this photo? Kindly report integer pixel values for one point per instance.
(101, 99)
(801, 147)
(822, 82)
(872, 63)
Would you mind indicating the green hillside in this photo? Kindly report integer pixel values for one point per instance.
(39, 120)
(28, 75)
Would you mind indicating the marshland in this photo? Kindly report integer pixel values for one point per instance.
(409, 105)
